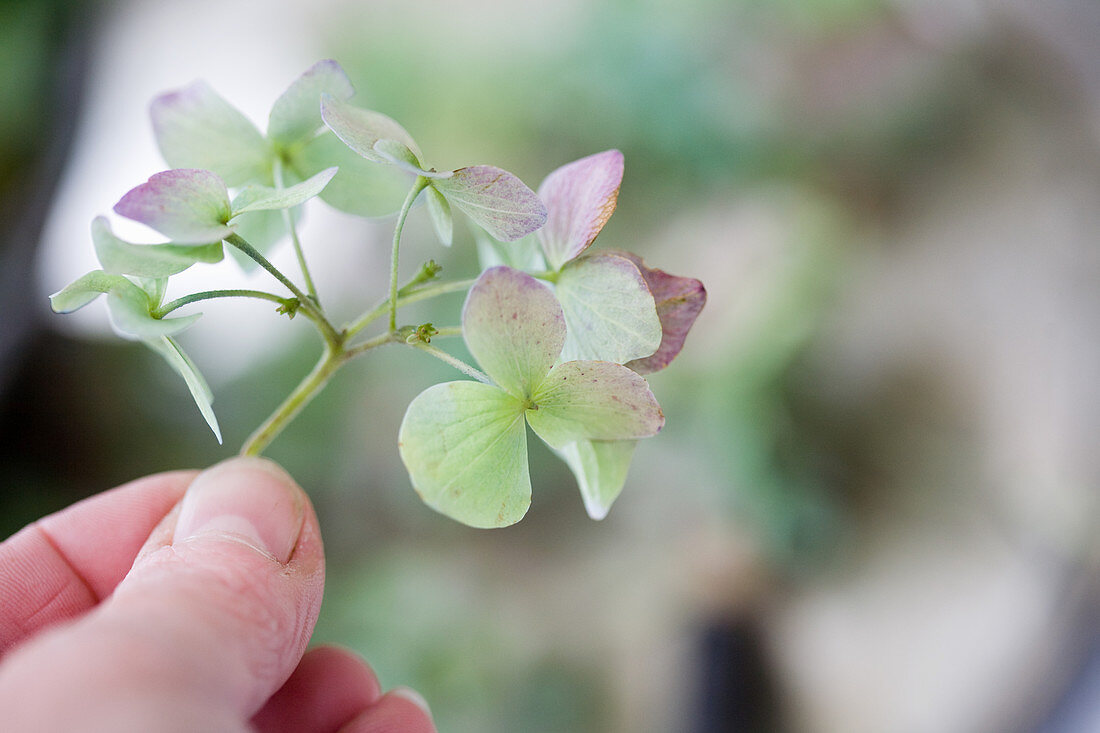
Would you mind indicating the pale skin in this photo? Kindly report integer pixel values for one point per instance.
(182, 602)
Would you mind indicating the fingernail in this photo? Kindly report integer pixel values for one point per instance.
(249, 500)
(414, 697)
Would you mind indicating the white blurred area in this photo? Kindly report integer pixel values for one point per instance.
(249, 57)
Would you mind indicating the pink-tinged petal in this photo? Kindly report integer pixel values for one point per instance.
(679, 301)
(580, 197)
(296, 114)
(593, 400)
(189, 206)
(495, 199)
(196, 128)
(361, 129)
(514, 327)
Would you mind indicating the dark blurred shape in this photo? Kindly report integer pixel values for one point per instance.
(44, 51)
(736, 692)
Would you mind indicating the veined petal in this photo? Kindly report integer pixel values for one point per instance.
(296, 114)
(187, 205)
(593, 400)
(196, 128)
(147, 260)
(600, 467)
(609, 311)
(495, 199)
(579, 197)
(514, 327)
(465, 448)
(90, 286)
(679, 302)
(360, 129)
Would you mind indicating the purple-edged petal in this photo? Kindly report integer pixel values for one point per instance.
(465, 447)
(579, 197)
(514, 327)
(360, 129)
(679, 301)
(189, 206)
(196, 128)
(296, 114)
(495, 199)
(593, 400)
(608, 308)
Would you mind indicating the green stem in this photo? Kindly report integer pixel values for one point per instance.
(420, 184)
(448, 331)
(210, 294)
(312, 311)
(404, 297)
(288, 220)
(453, 361)
(293, 404)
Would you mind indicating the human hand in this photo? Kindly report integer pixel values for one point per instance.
(181, 602)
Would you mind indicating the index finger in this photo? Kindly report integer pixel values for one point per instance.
(63, 565)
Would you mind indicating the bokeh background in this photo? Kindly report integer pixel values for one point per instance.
(873, 507)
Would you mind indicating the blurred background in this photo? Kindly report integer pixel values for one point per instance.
(873, 507)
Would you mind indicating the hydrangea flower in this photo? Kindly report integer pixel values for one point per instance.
(464, 443)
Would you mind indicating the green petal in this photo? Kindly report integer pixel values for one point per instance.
(593, 400)
(296, 114)
(264, 198)
(465, 448)
(147, 260)
(87, 288)
(609, 311)
(441, 216)
(197, 128)
(198, 387)
(513, 326)
(495, 199)
(600, 467)
(360, 186)
(187, 205)
(360, 129)
(128, 305)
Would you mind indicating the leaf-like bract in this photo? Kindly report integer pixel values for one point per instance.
(679, 301)
(609, 311)
(593, 400)
(147, 260)
(196, 128)
(495, 199)
(128, 305)
(200, 390)
(579, 197)
(187, 205)
(465, 447)
(600, 467)
(360, 187)
(296, 114)
(513, 326)
(522, 254)
(255, 197)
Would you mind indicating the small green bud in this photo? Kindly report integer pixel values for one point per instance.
(289, 308)
(421, 334)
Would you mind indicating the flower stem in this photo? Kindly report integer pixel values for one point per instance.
(420, 184)
(293, 404)
(210, 294)
(309, 307)
(453, 361)
(288, 220)
(405, 295)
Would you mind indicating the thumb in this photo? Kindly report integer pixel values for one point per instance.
(210, 621)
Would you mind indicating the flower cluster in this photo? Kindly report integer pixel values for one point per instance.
(564, 335)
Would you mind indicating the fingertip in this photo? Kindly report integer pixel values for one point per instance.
(400, 709)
